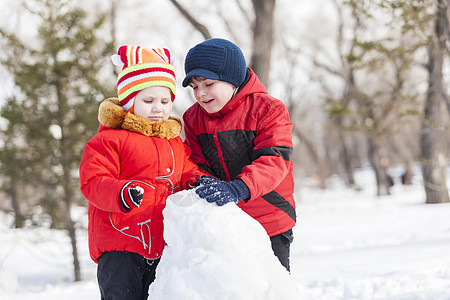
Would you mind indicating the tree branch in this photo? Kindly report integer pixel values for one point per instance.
(200, 27)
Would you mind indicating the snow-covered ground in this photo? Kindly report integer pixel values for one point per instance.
(348, 245)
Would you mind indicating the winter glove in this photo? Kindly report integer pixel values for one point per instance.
(223, 192)
(130, 196)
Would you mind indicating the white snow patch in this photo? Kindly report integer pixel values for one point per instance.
(216, 253)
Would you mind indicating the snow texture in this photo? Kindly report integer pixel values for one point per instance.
(214, 253)
(347, 245)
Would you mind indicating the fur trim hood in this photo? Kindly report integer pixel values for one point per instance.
(112, 115)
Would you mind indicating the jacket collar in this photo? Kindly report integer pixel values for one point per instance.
(112, 115)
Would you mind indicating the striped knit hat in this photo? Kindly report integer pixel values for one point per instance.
(142, 68)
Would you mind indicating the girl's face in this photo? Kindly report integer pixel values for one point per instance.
(212, 95)
(153, 103)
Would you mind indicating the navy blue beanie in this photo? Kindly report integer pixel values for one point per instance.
(216, 59)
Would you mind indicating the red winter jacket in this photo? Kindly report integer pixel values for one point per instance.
(149, 153)
(250, 139)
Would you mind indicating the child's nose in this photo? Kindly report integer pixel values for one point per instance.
(201, 92)
(156, 107)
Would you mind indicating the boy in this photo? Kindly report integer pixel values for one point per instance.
(129, 168)
(241, 136)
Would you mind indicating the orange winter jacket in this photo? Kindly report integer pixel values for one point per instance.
(151, 154)
(249, 138)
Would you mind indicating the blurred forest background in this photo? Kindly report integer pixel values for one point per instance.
(365, 82)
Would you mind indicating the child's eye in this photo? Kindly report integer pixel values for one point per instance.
(193, 87)
(148, 101)
(164, 101)
(209, 84)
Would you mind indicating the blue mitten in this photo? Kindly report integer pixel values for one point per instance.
(223, 192)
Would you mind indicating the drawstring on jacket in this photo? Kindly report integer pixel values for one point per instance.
(145, 223)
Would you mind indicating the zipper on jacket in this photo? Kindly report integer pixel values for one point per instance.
(219, 152)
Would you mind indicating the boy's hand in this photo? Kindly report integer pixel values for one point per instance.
(223, 192)
(130, 196)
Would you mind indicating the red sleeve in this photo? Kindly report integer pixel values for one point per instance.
(273, 150)
(99, 173)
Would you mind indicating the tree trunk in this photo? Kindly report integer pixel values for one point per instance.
(433, 138)
(73, 239)
(349, 95)
(382, 179)
(68, 199)
(262, 38)
(346, 160)
(65, 179)
(18, 216)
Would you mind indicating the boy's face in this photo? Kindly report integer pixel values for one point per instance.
(212, 95)
(153, 103)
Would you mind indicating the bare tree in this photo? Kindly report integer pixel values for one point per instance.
(186, 14)
(373, 100)
(262, 29)
(348, 74)
(338, 106)
(433, 135)
(262, 38)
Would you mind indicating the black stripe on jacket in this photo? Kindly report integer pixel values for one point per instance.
(284, 151)
(237, 148)
(278, 201)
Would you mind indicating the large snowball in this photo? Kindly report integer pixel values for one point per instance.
(216, 252)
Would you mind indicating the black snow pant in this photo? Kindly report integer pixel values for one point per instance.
(281, 244)
(125, 275)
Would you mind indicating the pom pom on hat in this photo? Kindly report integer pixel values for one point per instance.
(115, 58)
(216, 59)
(142, 68)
